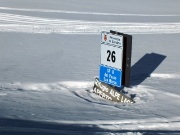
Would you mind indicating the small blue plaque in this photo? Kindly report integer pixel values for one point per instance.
(110, 75)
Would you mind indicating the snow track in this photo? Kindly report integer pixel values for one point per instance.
(148, 124)
(165, 76)
(78, 12)
(31, 24)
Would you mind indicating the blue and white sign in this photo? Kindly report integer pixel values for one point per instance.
(111, 59)
(110, 75)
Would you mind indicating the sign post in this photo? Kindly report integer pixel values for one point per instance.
(126, 65)
(115, 64)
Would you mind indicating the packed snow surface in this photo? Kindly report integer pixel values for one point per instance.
(50, 56)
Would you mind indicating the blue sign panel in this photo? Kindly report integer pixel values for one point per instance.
(110, 75)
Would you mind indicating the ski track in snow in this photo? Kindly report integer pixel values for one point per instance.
(46, 86)
(31, 24)
(137, 124)
(78, 12)
(165, 76)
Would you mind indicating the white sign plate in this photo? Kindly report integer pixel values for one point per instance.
(108, 38)
(111, 56)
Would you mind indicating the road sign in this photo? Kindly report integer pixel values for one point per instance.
(111, 59)
(115, 64)
(110, 75)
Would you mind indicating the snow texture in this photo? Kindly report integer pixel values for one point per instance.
(49, 58)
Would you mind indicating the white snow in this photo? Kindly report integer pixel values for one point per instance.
(49, 58)
(30, 24)
(166, 76)
(83, 13)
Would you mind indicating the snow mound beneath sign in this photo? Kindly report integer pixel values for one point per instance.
(143, 95)
(148, 100)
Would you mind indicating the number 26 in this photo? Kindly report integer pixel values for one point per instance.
(111, 56)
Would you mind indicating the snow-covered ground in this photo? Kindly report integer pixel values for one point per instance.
(50, 56)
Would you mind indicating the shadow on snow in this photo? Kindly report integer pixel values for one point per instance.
(143, 68)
